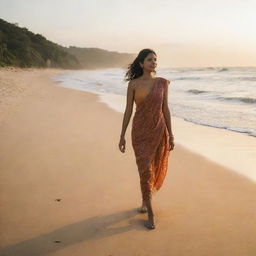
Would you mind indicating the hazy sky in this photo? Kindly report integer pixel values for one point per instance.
(183, 33)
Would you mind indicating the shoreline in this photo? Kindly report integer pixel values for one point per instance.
(61, 143)
(228, 148)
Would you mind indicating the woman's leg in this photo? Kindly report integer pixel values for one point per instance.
(146, 182)
(143, 208)
(151, 221)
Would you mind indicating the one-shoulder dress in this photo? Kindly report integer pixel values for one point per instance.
(150, 140)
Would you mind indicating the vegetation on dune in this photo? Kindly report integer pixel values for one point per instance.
(22, 48)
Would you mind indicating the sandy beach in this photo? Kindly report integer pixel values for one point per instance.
(66, 189)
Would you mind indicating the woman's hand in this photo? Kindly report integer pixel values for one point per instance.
(122, 144)
(171, 143)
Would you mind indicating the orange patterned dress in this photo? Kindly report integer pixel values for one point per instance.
(150, 141)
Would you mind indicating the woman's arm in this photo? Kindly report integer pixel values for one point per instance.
(166, 110)
(129, 107)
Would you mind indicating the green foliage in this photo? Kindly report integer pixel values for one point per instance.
(21, 47)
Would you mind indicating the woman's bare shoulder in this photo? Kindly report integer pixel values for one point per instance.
(165, 80)
(133, 83)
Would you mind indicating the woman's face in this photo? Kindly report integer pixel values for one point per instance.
(150, 62)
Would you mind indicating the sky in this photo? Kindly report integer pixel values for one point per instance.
(183, 33)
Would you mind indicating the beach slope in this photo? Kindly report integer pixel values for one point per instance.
(66, 189)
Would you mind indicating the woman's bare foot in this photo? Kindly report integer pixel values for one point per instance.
(150, 223)
(143, 208)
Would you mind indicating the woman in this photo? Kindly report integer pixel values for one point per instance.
(152, 137)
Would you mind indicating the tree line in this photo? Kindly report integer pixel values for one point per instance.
(22, 48)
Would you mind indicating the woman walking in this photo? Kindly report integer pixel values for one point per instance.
(151, 134)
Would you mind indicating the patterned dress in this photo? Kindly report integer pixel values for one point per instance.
(150, 141)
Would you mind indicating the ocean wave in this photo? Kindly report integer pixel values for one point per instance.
(195, 91)
(192, 69)
(246, 131)
(247, 78)
(247, 100)
(223, 69)
(187, 78)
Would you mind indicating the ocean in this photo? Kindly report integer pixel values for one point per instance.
(211, 101)
(219, 97)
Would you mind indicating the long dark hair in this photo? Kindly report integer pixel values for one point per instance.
(134, 69)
